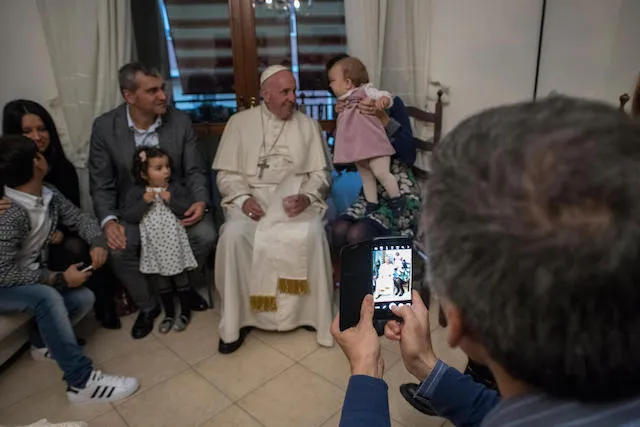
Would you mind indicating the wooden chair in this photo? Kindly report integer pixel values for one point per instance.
(434, 118)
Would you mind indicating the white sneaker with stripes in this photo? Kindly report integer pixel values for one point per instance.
(45, 423)
(41, 354)
(103, 388)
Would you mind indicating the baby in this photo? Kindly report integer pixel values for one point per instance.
(361, 138)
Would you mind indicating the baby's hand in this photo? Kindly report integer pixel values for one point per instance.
(165, 195)
(383, 103)
(149, 196)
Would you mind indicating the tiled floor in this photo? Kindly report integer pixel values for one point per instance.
(274, 380)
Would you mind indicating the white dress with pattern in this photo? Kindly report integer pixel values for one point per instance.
(165, 246)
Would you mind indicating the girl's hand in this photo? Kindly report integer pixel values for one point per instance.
(149, 196)
(166, 196)
(57, 237)
(340, 106)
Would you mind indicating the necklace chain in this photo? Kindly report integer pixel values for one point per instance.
(264, 143)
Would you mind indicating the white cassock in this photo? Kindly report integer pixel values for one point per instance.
(274, 274)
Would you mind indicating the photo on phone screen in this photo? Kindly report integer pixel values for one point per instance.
(391, 275)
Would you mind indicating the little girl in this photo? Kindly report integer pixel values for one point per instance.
(156, 204)
(361, 138)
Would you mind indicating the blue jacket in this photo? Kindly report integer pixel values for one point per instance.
(453, 395)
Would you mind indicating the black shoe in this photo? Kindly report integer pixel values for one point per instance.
(370, 208)
(408, 391)
(196, 302)
(397, 205)
(144, 323)
(228, 348)
(110, 320)
(308, 328)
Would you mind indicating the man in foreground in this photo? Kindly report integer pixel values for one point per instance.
(56, 299)
(533, 235)
(273, 267)
(145, 120)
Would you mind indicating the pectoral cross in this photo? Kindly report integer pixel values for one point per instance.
(262, 165)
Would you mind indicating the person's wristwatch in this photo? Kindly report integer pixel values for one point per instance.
(58, 280)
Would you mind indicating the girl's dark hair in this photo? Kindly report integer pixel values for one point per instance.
(140, 166)
(12, 125)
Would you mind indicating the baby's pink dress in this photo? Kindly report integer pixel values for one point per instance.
(359, 136)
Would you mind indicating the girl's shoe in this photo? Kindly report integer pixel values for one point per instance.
(182, 322)
(166, 325)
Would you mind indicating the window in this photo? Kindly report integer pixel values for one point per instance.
(217, 49)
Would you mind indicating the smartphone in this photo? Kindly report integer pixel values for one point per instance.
(391, 272)
(85, 268)
(381, 267)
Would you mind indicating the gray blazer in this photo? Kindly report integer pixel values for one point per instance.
(111, 159)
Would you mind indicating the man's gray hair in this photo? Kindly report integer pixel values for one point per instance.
(533, 231)
(127, 75)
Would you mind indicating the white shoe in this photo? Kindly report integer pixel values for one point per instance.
(45, 423)
(103, 388)
(41, 354)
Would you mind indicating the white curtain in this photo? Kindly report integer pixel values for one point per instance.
(366, 22)
(392, 39)
(88, 40)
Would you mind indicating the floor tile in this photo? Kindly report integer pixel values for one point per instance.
(198, 341)
(333, 421)
(451, 356)
(233, 416)
(110, 419)
(295, 398)
(392, 346)
(332, 364)
(294, 344)
(184, 400)
(246, 369)
(400, 410)
(434, 313)
(104, 344)
(26, 377)
(151, 362)
(52, 404)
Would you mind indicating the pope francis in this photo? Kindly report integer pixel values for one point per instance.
(272, 267)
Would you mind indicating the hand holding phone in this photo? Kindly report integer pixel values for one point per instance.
(85, 268)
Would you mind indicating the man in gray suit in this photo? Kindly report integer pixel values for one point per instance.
(145, 119)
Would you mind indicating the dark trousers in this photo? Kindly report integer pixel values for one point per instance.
(126, 263)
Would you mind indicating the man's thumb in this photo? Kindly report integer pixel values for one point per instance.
(402, 312)
(366, 311)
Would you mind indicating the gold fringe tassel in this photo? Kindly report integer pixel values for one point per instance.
(263, 303)
(293, 286)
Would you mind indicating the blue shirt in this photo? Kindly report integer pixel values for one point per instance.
(145, 138)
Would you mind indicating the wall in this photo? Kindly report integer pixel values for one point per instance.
(485, 51)
(25, 67)
(590, 48)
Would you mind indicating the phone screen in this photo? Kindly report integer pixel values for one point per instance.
(391, 266)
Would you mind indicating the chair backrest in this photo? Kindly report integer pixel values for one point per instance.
(425, 117)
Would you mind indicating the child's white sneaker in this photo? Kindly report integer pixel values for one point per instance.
(45, 423)
(41, 354)
(103, 388)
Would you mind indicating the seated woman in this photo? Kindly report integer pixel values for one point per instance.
(356, 225)
(30, 119)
